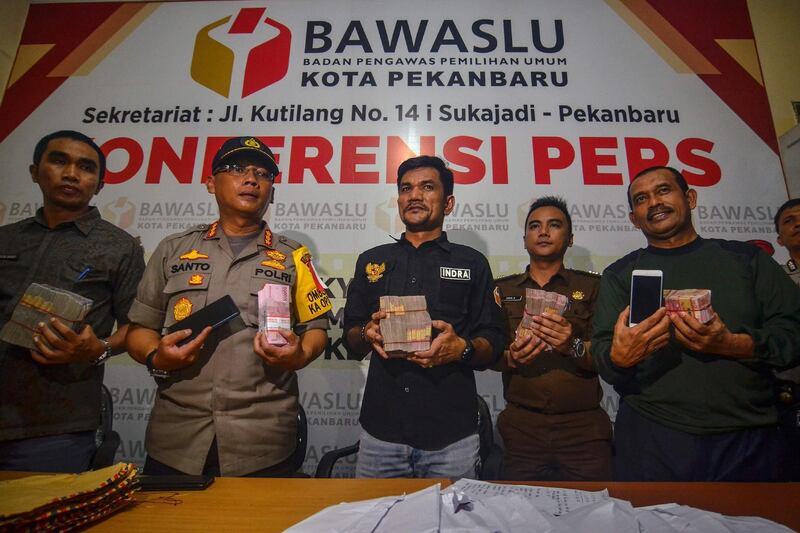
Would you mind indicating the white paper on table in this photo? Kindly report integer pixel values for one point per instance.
(553, 500)
(608, 516)
(509, 513)
(418, 511)
(690, 519)
(347, 517)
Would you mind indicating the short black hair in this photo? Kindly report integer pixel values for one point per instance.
(41, 146)
(550, 201)
(786, 205)
(675, 174)
(428, 161)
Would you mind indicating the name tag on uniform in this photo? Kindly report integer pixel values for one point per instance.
(454, 273)
(512, 298)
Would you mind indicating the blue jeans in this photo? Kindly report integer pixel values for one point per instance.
(69, 453)
(381, 459)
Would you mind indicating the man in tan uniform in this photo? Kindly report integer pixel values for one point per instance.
(227, 400)
(553, 427)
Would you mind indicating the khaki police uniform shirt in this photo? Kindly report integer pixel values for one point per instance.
(229, 392)
(553, 382)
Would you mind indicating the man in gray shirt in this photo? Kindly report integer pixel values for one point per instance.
(50, 396)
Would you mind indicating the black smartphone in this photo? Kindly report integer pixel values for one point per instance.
(214, 314)
(176, 482)
(645, 294)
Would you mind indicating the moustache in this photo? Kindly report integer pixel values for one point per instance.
(657, 210)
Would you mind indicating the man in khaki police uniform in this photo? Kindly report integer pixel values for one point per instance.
(227, 400)
(553, 427)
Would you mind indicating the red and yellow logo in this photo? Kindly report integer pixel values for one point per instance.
(214, 60)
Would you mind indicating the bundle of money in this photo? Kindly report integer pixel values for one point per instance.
(696, 302)
(407, 326)
(537, 302)
(40, 303)
(273, 312)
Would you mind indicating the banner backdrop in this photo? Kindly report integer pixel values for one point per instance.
(521, 98)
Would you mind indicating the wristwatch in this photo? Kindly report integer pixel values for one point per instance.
(155, 372)
(578, 349)
(105, 355)
(468, 353)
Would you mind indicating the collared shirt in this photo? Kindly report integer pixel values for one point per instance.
(229, 392)
(427, 408)
(38, 400)
(552, 382)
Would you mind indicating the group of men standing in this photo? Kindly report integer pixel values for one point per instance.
(697, 400)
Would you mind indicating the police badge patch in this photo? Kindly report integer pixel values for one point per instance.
(194, 254)
(273, 264)
(375, 271)
(276, 255)
(182, 309)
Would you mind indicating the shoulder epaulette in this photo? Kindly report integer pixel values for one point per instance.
(508, 277)
(286, 241)
(589, 273)
(199, 228)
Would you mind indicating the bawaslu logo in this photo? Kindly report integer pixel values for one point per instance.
(223, 48)
(121, 212)
(387, 217)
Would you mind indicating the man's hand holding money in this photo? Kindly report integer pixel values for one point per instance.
(555, 330)
(296, 353)
(713, 337)
(57, 344)
(371, 334)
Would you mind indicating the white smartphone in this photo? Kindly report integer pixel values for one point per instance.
(645, 294)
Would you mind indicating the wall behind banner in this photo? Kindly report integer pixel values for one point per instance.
(501, 165)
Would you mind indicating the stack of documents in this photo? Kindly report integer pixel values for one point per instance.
(65, 501)
(470, 505)
(407, 326)
(40, 303)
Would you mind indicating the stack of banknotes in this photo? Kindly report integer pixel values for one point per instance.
(696, 302)
(407, 326)
(537, 302)
(40, 303)
(273, 312)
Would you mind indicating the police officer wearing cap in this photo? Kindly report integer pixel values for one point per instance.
(553, 427)
(419, 414)
(227, 401)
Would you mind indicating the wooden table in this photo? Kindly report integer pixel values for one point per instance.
(245, 504)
